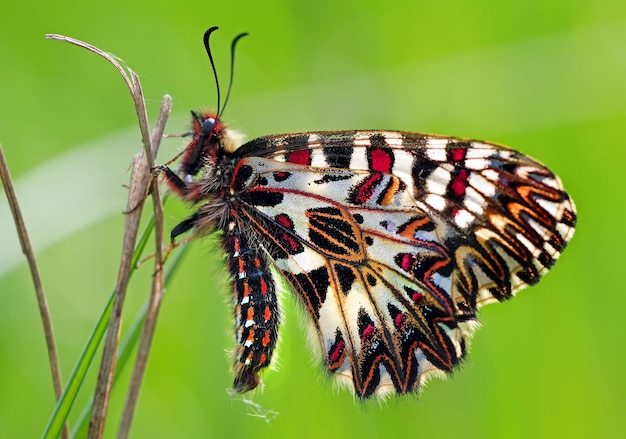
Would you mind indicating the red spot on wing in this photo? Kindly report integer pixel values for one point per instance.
(336, 353)
(367, 189)
(415, 297)
(284, 220)
(407, 260)
(381, 160)
(398, 320)
(290, 241)
(368, 331)
(458, 154)
(459, 184)
(294, 246)
(301, 157)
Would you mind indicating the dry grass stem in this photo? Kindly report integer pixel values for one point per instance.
(141, 177)
(156, 294)
(27, 249)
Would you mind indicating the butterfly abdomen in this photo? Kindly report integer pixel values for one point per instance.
(256, 308)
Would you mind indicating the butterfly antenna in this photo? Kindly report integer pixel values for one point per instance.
(232, 69)
(207, 46)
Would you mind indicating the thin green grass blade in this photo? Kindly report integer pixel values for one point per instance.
(64, 405)
(127, 346)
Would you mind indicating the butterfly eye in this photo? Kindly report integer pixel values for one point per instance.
(208, 125)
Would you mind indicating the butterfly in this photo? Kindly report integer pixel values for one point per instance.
(391, 240)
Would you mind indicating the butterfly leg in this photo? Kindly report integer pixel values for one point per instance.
(174, 182)
(188, 191)
(184, 226)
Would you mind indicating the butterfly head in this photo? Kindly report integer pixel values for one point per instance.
(211, 138)
(206, 130)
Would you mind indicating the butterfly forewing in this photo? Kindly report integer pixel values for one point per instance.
(392, 240)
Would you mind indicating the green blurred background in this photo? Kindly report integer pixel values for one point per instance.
(545, 77)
